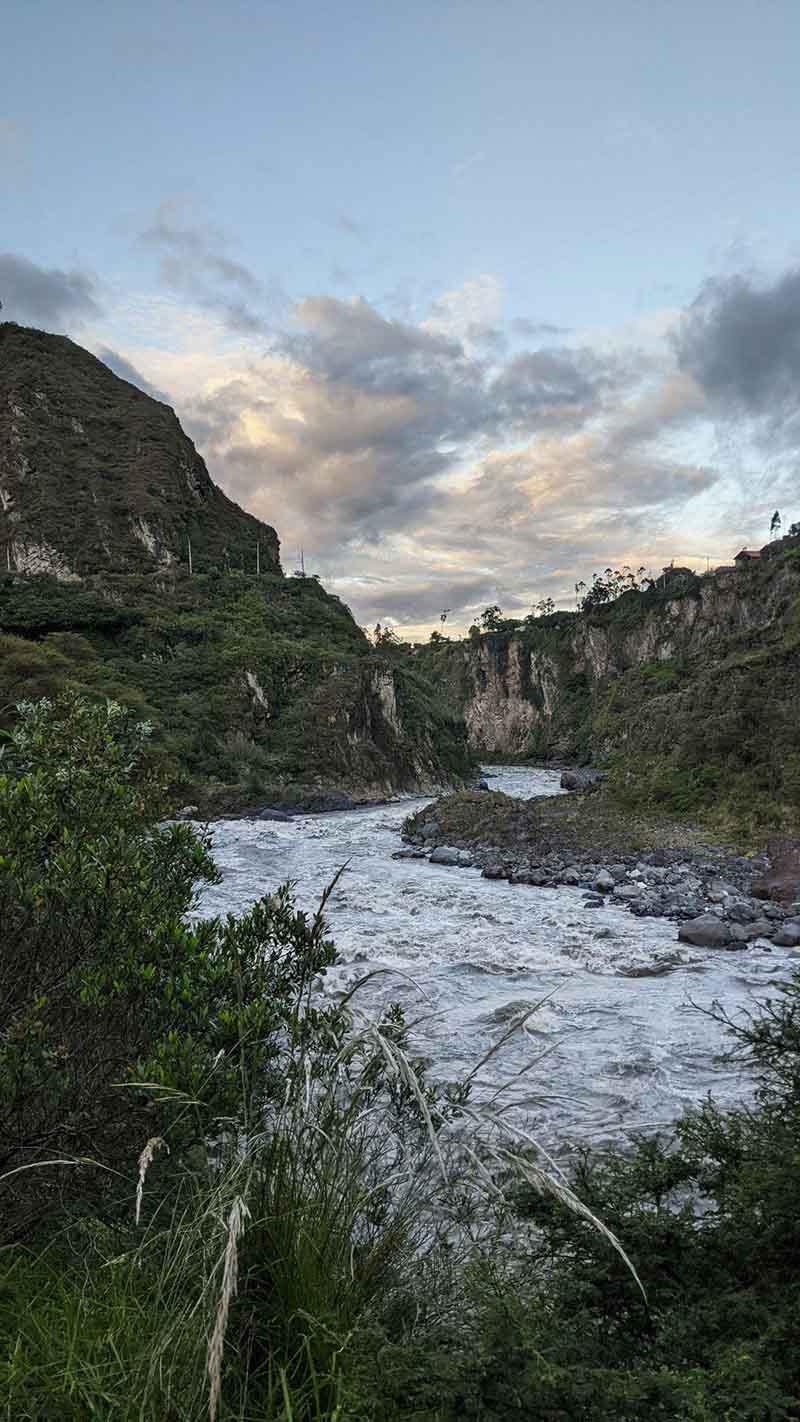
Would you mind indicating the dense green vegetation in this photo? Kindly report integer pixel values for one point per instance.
(252, 684)
(685, 690)
(227, 1194)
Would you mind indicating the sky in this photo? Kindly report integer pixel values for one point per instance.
(468, 301)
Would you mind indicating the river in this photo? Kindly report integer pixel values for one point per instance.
(603, 1055)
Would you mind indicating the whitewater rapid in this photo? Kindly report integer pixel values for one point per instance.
(604, 1055)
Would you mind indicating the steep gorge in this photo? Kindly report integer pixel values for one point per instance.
(687, 692)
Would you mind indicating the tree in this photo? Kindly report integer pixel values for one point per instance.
(775, 524)
(608, 586)
(544, 607)
(113, 1004)
(491, 618)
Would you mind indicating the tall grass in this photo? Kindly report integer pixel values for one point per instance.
(241, 1286)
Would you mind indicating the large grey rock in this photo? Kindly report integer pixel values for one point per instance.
(430, 830)
(465, 859)
(707, 931)
(742, 912)
(759, 928)
(571, 876)
(580, 779)
(628, 892)
(789, 936)
(493, 871)
(445, 855)
(604, 882)
(271, 813)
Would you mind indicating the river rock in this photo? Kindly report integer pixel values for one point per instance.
(580, 779)
(409, 854)
(604, 883)
(740, 911)
(465, 859)
(188, 812)
(759, 928)
(628, 892)
(789, 936)
(430, 830)
(271, 813)
(707, 931)
(445, 854)
(493, 871)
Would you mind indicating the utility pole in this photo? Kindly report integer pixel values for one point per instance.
(189, 545)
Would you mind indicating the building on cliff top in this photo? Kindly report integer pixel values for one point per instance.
(746, 555)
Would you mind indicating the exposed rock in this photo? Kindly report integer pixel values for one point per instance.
(628, 892)
(271, 813)
(789, 936)
(604, 882)
(445, 854)
(580, 779)
(188, 812)
(707, 931)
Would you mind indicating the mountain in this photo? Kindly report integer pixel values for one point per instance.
(96, 475)
(258, 686)
(687, 693)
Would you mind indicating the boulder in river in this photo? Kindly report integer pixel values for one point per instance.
(445, 854)
(707, 931)
(789, 936)
(580, 779)
(604, 882)
(271, 813)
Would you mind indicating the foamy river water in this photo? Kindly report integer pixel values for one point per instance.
(605, 1053)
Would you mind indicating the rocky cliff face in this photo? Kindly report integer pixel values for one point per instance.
(688, 693)
(533, 689)
(94, 474)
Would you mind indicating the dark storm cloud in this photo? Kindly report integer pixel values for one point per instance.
(126, 371)
(741, 342)
(44, 295)
(547, 387)
(193, 260)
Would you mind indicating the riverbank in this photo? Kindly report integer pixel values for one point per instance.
(655, 868)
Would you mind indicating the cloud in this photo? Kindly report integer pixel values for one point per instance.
(422, 466)
(45, 295)
(126, 371)
(522, 326)
(741, 342)
(194, 260)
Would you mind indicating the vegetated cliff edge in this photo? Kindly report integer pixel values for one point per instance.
(254, 684)
(688, 693)
(95, 474)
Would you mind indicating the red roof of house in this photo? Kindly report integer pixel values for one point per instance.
(749, 553)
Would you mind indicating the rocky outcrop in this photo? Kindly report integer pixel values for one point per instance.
(96, 475)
